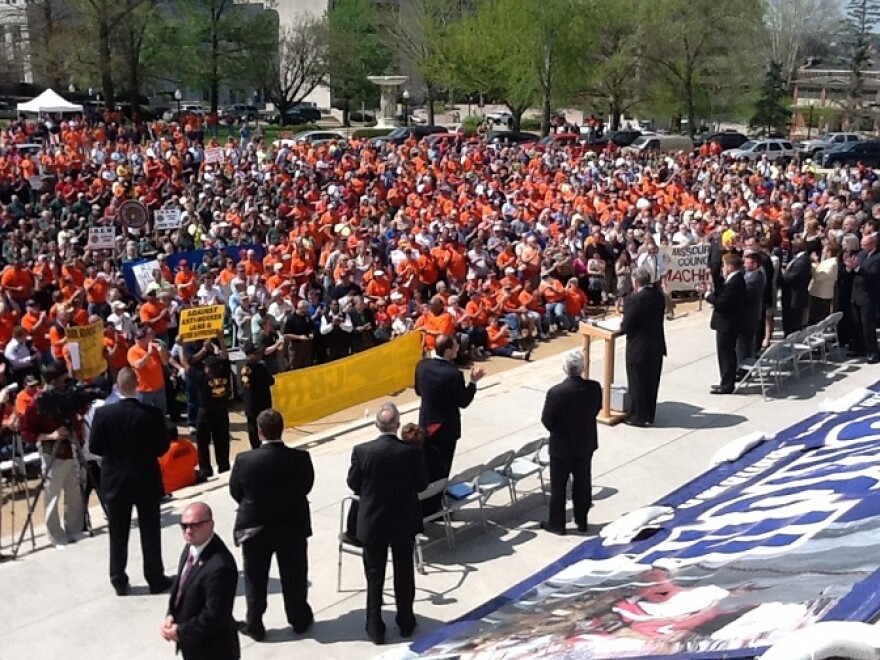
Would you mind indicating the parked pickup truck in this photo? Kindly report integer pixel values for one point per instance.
(809, 148)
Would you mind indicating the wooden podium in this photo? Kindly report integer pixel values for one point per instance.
(594, 332)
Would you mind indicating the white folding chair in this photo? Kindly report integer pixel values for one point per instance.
(345, 547)
(761, 370)
(829, 333)
(461, 490)
(524, 465)
(492, 478)
(442, 515)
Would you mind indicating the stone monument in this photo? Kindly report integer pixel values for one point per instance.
(388, 86)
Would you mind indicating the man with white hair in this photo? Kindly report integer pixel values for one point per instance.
(570, 410)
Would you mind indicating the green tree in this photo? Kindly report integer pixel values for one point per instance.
(861, 19)
(612, 70)
(356, 49)
(695, 47)
(416, 32)
(301, 65)
(772, 108)
(222, 42)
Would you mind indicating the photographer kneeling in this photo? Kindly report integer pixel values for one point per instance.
(50, 424)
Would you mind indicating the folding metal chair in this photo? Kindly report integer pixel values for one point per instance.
(492, 478)
(461, 490)
(441, 515)
(524, 465)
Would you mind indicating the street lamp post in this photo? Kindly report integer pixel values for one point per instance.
(406, 106)
(177, 97)
(257, 111)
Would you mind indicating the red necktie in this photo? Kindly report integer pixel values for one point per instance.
(184, 576)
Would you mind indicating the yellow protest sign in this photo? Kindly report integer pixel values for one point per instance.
(86, 347)
(201, 322)
(305, 395)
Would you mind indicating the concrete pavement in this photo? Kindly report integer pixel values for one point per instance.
(59, 603)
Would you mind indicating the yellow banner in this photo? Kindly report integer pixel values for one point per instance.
(89, 342)
(305, 395)
(201, 322)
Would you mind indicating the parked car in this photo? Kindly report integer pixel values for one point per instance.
(725, 139)
(190, 108)
(240, 112)
(753, 150)
(400, 134)
(660, 142)
(298, 115)
(439, 139)
(865, 152)
(505, 138)
(809, 148)
(361, 117)
(501, 118)
(622, 138)
(562, 139)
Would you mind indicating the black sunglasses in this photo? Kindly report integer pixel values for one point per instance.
(192, 525)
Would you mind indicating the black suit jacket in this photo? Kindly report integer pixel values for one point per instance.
(866, 280)
(643, 325)
(570, 410)
(388, 475)
(729, 304)
(130, 436)
(205, 626)
(441, 386)
(795, 282)
(271, 484)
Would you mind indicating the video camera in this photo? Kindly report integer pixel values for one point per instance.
(66, 403)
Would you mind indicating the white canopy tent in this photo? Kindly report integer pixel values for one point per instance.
(48, 101)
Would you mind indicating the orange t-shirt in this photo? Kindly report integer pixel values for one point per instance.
(149, 311)
(22, 401)
(497, 338)
(40, 338)
(96, 290)
(441, 323)
(22, 279)
(151, 376)
(118, 359)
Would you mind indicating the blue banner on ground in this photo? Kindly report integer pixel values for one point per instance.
(786, 536)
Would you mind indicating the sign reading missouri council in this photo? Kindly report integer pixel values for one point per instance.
(787, 536)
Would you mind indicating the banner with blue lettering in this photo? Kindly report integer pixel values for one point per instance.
(784, 537)
(235, 252)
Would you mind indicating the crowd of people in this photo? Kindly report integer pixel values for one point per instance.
(319, 251)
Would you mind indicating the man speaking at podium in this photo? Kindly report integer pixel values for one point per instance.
(645, 347)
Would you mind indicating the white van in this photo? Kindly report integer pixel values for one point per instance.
(657, 142)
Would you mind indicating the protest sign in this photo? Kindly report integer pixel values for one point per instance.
(86, 346)
(101, 238)
(686, 266)
(201, 322)
(166, 219)
(214, 155)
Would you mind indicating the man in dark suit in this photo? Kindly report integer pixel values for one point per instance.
(645, 347)
(131, 436)
(794, 280)
(570, 410)
(271, 485)
(441, 386)
(388, 475)
(756, 281)
(865, 297)
(199, 618)
(728, 303)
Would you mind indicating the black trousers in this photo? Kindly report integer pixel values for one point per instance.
(253, 435)
(745, 342)
(213, 426)
(291, 552)
(579, 469)
(439, 453)
(725, 347)
(375, 558)
(643, 380)
(119, 517)
(865, 335)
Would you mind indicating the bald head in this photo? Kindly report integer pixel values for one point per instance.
(126, 380)
(198, 510)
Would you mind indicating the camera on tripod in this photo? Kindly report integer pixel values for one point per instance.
(66, 403)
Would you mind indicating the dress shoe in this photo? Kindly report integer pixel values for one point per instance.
(717, 389)
(376, 634)
(406, 629)
(547, 527)
(122, 589)
(874, 359)
(162, 585)
(633, 422)
(301, 627)
(582, 528)
(256, 632)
